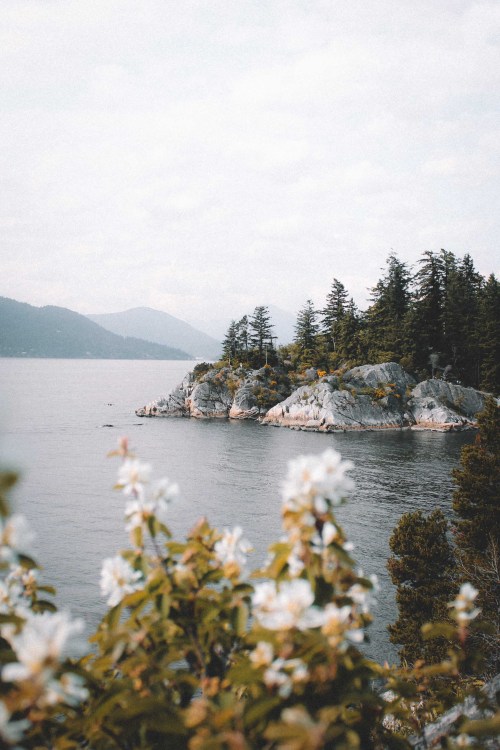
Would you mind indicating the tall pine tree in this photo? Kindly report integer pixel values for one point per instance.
(306, 331)
(421, 567)
(489, 336)
(386, 317)
(334, 311)
(261, 333)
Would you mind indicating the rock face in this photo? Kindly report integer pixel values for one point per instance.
(374, 376)
(217, 394)
(245, 404)
(367, 397)
(436, 402)
(328, 405)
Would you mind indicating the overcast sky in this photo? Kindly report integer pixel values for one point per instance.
(206, 156)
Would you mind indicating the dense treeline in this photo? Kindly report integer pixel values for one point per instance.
(426, 568)
(441, 318)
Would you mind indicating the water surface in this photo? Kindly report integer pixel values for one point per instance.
(59, 419)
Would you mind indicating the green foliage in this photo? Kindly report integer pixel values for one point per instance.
(201, 369)
(192, 655)
(476, 502)
(306, 329)
(421, 567)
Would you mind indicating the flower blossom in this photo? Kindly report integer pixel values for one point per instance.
(11, 731)
(283, 674)
(40, 644)
(139, 510)
(118, 579)
(262, 655)
(232, 548)
(338, 627)
(314, 483)
(133, 475)
(464, 604)
(361, 595)
(286, 607)
(15, 536)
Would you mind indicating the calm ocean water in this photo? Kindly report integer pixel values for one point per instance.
(59, 418)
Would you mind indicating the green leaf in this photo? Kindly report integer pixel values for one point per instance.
(259, 709)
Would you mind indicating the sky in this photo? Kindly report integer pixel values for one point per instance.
(203, 157)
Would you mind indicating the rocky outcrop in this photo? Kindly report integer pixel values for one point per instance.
(324, 407)
(434, 735)
(367, 397)
(436, 403)
(208, 397)
(245, 405)
(221, 393)
(375, 376)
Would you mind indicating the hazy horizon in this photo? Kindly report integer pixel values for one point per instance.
(204, 158)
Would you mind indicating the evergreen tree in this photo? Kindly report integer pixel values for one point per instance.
(421, 567)
(349, 346)
(230, 342)
(426, 319)
(261, 332)
(242, 336)
(386, 317)
(460, 320)
(335, 309)
(476, 501)
(489, 336)
(306, 329)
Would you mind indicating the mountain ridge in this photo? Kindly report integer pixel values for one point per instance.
(58, 332)
(159, 327)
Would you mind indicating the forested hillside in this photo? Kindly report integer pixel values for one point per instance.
(27, 331)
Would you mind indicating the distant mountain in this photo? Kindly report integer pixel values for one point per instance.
(162, 328)
(27, 331)
(283, 321)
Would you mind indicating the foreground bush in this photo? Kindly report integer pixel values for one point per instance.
(195, 653)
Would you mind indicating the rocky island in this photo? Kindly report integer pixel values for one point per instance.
(380, 396)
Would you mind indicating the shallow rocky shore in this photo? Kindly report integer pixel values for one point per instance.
(381, 396)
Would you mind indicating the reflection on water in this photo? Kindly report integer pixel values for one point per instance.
(54, 413)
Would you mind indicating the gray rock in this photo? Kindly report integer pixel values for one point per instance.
(173, 405)
(321, 406)
(245, 405)
(373, 376)
(439, 404)
(210, 398)
(434, 735)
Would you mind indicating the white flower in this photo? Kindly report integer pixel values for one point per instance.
(232, 548)
(363, 597)
(464, 604)
(137, 513)
(165, 490)
(288, 607)
(118, 579)
(284, 674)
(294, 561)
(132, 475)
(69, 688)
(262, 655)
(39, 645)
(275, 677)
(11, 731)
(314, 482)
(15, 536)
(338, 628)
